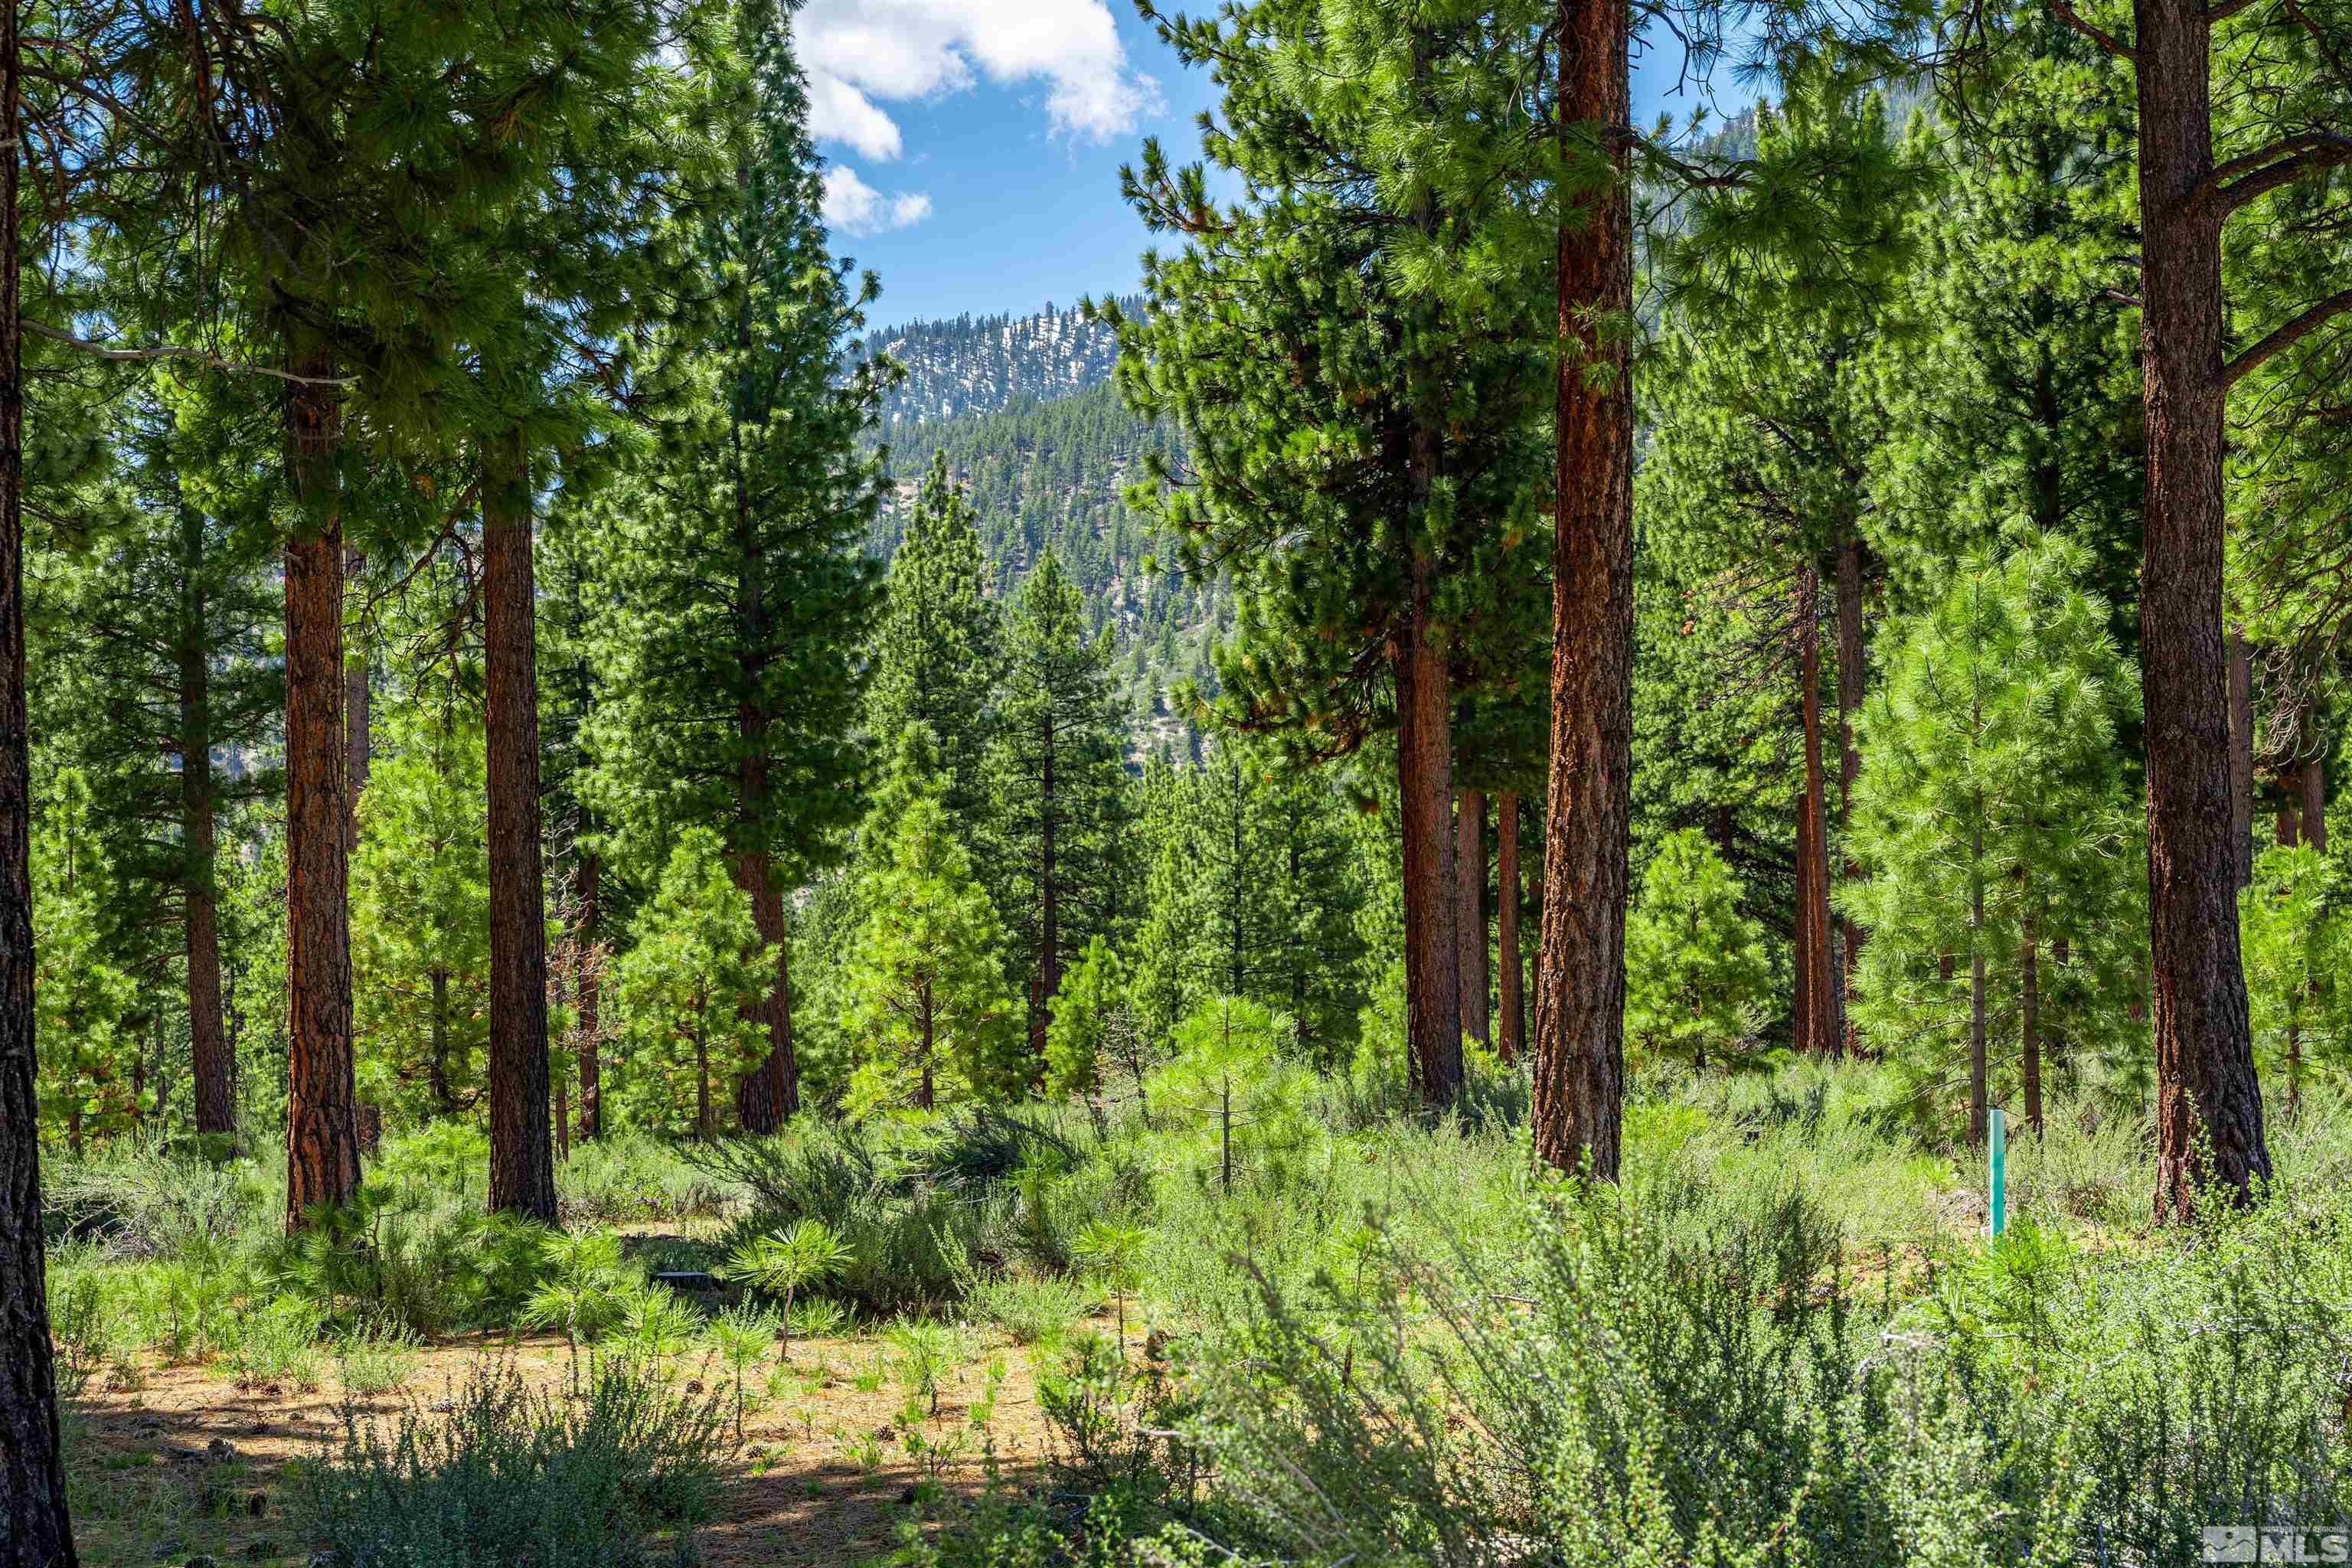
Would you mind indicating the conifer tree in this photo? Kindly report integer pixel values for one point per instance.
(938, 649)
(1365, 543)
(421, 920)
(151, 633)
(743, 588)
(81, 1000)
(924, 978)
(1768, 445)
(2297, 942)
(1058, 828)
(1992, 814)
(1695, 976)
(693, 984)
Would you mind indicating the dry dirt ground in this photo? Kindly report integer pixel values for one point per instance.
(186, 1464)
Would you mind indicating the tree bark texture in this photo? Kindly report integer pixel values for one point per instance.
(770, 1092)
(1424, 789)
(214, 1097)
(322, 1146)
(2206, 1089)
(522, 1156)
(1470, 913)
(1851, 677)
(1577, 1104)
(36, 1531)
(1511, 1031)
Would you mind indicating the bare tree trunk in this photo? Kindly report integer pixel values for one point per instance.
(322, 1139)
(2207, 1092)
(36, 1531)
(1470, 912)
(1851, 676)
(1424, 763)
(1578, 1106)
(209, 1053)
(522, 1163)
(587, 976)
(1512, 1037)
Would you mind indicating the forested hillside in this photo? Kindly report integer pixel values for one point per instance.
(1050, 474)
(981, 364)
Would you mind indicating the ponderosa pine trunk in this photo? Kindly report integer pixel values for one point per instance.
(1470, 912)
(522, 1154)
(1578, 1106)
(1511, 1034)
(212, 1095)
(1816, 999)
(586, 977)
(322, 1142)
(1425, 797)
(36, 1531)
(1851, 676)
(2207, 1098)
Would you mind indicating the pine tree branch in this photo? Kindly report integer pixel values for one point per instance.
(197, 356)
(2287, 332)
(2233, 184)
(2068, 14)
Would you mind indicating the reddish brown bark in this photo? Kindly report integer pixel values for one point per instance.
(35, 1532)
(586, 977)
(1470, 912)
(322, 1148)
(522, 1156)
(213, 1096)
(1511, 1032)
(1851, 673)
(1579, 1023)
(1424, 764)
(2206, 1095)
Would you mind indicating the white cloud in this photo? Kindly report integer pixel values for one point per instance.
(852, 206)
(858, 51)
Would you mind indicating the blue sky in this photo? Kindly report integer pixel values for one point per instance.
(974, 145)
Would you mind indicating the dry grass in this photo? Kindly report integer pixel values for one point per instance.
(188, 1464)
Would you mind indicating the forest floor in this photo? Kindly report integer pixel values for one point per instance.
(186, 1463)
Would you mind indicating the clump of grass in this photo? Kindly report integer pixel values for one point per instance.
(510, 1475)
(1031, 1307)
(374, 1359)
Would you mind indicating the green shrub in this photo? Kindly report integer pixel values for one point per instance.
(1031, 1307)
(374, 1359)
(508, 1476)
(636, 1178)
